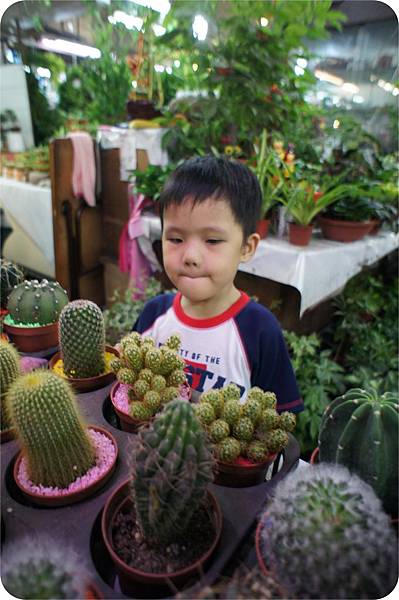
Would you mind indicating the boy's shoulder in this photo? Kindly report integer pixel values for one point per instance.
(153, 309)
(257, 316)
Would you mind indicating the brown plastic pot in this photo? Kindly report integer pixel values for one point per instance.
(88, 384)
(236, 475)
(128, 424)
(344, 231)
(120, 500)
(262, 227)
(376, 226)
(33, 339)
(299, 235)
(54, 501)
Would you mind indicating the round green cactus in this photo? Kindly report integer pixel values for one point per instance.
(9, 371)
(228, 450)
(231, 412)
(140, 411)
(52, 433)
(11, 275)
(257, 451)
(37, 302)
(325, 535)
(275, 440)
(360, 431)
(244, 429)
(215, 399)
(172, 467)
(205, 413)
(218, 430)
(82, 339)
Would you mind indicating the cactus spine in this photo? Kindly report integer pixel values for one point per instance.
(9, 371)
(325, 535)
(11, 275)
(82, 339)
(36, 302)
(53, 436)
(360, 431)
(172, 467)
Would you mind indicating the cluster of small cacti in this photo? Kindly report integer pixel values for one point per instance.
(324, 535)
(9, 371)
(172, 467)
(36, 302)
(11, 275)
(154, 375)
(40, 568)
(82, 339)
(252, 430)
(55, 442)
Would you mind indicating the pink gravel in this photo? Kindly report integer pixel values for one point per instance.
(121, 399)
(105, 456)
(29, 363)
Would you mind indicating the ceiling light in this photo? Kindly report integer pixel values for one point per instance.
(302, 62)
(161, 6)
(176, 63)
(358, 99)
(66, 47)
(325, 76)
(129, 21)
(200, 28)
(195, 67)
(264, 21)
(336, 124)
(350, 87)
(388, 87)
(298, 70)
(169, 70)
(43, 72)
(381, 83)
(159, 68)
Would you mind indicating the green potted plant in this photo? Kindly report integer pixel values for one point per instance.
(350, 219)
(325, 535)
(9, 371)
(162, 524)
(33, 311)
(63, 460)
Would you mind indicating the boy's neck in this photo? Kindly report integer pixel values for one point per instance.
(210, 308)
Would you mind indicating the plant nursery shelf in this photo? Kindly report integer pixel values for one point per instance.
(79, 525)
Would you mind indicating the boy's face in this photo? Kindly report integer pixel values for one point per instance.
(202, 248)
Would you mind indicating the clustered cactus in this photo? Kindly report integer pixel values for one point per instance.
(251, 430)
(36, 302)
(82, 339)
(171, 469)
(42, 569)
(325, 535)
(53, 436)
(9, 371)
(360, 431)
(154, 375)
(11, 275)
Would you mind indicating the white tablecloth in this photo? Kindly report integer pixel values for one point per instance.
(317, 271)
(30, 206)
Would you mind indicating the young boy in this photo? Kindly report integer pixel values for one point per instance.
(209, 208)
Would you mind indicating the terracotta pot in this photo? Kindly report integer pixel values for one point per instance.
(128, 424)
(7, 435)
(344, 231)
(262, 227)
(142, 109)
(299, 235)
(129, 577)
(314, 458)
(88, 384)
(72, 497)
(236, 475)
(376, 226)
(33, 339)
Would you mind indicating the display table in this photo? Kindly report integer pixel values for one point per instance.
(29, 211)
(317, 271)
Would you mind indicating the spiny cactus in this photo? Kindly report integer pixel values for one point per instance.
(11, 275)
(82, 339)
(325, 535)
(40, 568)
(37, 302)
(360, 431)
(228, 450)
(171, 469)
(53, 436)
(9, 371)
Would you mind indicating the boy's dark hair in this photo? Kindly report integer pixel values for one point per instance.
(206, 177)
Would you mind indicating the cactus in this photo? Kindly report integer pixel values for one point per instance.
(287, 421)
(82, 339)
(243, 429)
(360, 431)
(275, 440)
(231, 412)
(215, 399)
(219, 430)
(228, 450)
(252, 409)
(325, 535)
(53, 436)
(171, 468)
(9, 371)
(269, 419)
(140, 411)
(158, 382)
(42, 569)
(173, 342)
(37, 302)
(231, 392)
(257, 451)
(205, 413)
(11, 275)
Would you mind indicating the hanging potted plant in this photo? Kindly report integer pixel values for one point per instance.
(62, 459)
(162, 524)
(245, 437)
(33, 311)
(148, 378)
(84, 359)
(9, 371)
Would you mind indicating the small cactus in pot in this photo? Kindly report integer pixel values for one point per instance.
(36, 302)
(9, 371)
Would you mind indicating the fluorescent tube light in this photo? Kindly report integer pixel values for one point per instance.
(66, 47)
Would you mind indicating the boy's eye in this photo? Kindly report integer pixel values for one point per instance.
(213, 241)
(175, 240)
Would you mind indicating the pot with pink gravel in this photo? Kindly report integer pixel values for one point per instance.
(62, 459)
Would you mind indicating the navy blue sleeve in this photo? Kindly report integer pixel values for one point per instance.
(154, 308)
(267, 353)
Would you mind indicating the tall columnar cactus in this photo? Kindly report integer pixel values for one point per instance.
(37, 302)
(82, 339)
(172, 468)
(360, 431)
(9, 371)
(11, 275)
(43, 569)
(53, 436)
(325, 535)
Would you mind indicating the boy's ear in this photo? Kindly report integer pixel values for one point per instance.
(249, 247)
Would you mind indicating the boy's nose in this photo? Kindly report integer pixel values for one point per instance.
(191, 256)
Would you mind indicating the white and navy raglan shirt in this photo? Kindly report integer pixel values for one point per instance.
(243, 345)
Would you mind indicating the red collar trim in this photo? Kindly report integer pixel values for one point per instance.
(212, 321)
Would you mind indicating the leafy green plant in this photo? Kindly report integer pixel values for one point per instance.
(151, 181)
(267, 171)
